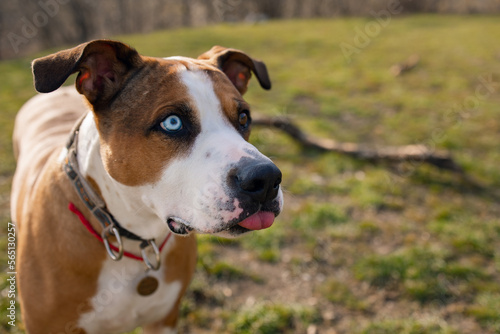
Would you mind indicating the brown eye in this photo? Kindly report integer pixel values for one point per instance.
(243, 119)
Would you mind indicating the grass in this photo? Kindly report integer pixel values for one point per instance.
(424, 275)
(360, 248)
(409, 326)
(486, 308)
(340, 293)
(270, 319)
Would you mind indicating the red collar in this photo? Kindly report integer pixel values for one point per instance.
(89, 227)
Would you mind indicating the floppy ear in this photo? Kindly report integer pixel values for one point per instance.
(237, 66)
(103, 67)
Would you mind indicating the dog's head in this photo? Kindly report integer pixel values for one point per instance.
(176, 130)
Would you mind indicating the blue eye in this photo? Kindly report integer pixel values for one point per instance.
(171, 124)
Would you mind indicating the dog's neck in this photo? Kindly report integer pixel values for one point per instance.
(127, 204)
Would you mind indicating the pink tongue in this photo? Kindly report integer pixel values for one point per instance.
(258, 221)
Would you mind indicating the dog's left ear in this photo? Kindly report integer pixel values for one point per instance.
(237, 66)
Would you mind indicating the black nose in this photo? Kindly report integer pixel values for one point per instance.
(260, 181)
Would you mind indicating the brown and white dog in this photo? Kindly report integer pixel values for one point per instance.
(160, 150)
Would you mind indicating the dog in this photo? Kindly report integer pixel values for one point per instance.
(111, 188)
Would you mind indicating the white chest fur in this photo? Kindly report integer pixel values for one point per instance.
(117, 307)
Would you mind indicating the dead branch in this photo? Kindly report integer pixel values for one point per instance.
(407, 153)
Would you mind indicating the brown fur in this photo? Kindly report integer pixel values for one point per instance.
(50, 242)
(59, 261)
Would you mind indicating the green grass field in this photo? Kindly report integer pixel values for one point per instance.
(360, 248)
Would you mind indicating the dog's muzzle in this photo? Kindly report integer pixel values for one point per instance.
(254, 185)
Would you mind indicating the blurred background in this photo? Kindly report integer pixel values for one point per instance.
(366, 244)
(27, 26)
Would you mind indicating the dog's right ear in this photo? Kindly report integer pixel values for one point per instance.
(237, 66)
(103, 67)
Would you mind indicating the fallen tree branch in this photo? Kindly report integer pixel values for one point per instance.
(408, 153)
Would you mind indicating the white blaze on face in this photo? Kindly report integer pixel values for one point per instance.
(194, 188)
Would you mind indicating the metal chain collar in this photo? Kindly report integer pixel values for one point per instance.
(98, 208)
